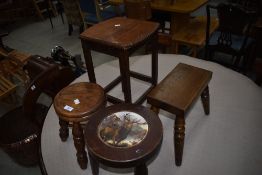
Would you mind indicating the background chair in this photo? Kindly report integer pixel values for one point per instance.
(7, 88)
(251, 5)
(73, 14)
(96, 11)
(231, 38)
(193, 34)
(20, 128)
(141, 9)
(15, 10)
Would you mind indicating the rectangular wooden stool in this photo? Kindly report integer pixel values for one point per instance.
(176, 94)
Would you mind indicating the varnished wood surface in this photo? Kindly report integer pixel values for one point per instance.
(124, 157)
(20, 57)
(176, 93)
(113, 32)
(90, 95)
(6, 87)
(179, 6)
(180, 88)
(194, 32)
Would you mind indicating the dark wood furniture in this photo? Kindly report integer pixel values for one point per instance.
(42, 6)
(193, 34)
(179, 11)
(77, 103)
(123, 136)
(176, 94)
(13, 10)
(141, 9)
(73, 14)
(232, 35)
(7, 88)
(120, 37)
(20, 128)
(19, 57)
(138, 9)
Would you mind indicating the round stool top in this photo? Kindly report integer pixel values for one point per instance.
(77, 101)
(124, 135)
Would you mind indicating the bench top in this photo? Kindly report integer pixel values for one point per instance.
(179, 89)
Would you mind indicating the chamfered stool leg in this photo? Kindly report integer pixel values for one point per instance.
(141, 169)
(179, 135)
(125, 73)
(154, 61)
(79, 143)
(205, 100)
(94, 165)
(63, 131)
(89, 63)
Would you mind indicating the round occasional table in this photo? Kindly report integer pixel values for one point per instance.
(221, 143)
(123, 136)
(77, 103)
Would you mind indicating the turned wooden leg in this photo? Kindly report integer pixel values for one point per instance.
(205, 100)
(79, 143)
(179, 138)
(94, 165)
(63, 131)
(155, 109)
(141, 169)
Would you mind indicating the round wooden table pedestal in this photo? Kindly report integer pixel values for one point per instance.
(121, 137)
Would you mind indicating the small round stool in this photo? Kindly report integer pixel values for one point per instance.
(77, 103)
(123, 136)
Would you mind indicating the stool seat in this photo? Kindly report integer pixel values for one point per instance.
(123, 136)
(84, 98)
(114, 32)
(77, 103)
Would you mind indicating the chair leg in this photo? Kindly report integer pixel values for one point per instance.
(70, 29)
(81, 28)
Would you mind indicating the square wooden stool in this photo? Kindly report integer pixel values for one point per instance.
(176, 94)
(120, 37)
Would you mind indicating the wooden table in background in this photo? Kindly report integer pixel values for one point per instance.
(180, 10)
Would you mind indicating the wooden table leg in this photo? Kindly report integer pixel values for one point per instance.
(154, 61)
(79, 143)
(179, 135)
(141, 169)
(205, 100)
(89, 63)
(63, 131)
(94, 165)
(125, 73)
